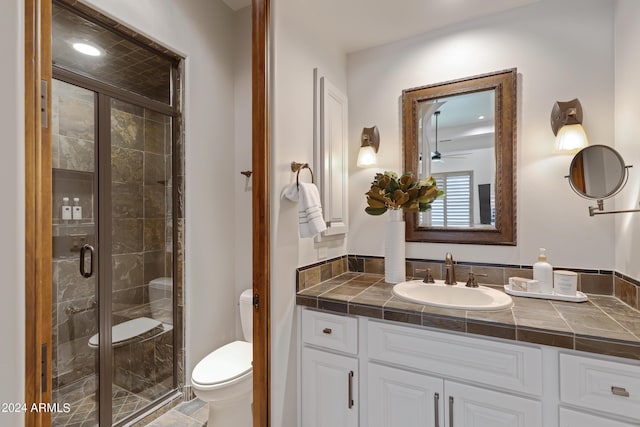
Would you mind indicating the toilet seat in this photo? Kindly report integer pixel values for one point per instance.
(227, 365)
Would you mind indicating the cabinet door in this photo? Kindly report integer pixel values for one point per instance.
(569, 418)
(329, 389)
(469, 406)
(400, 398)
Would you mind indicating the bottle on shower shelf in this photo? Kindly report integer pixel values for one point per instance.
(66, 209)
(77, 209)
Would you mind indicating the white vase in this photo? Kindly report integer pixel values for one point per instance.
(394, 246)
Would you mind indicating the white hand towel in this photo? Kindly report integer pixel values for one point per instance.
(310, 202)
(310, 218)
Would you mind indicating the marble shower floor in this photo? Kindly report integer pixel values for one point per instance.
(84, 411)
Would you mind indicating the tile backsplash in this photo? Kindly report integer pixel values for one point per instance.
(627, 289)
(602, 282)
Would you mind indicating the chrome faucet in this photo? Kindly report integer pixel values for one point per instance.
(450, 272)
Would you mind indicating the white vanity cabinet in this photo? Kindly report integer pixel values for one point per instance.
(399, 396)
(356, 371)
(329, 370)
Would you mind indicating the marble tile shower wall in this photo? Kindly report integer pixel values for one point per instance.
(141, 232)
(73, 145)
(603, 282)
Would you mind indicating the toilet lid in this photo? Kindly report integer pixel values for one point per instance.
(224, 364)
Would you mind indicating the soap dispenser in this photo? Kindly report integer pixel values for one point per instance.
(543, 273)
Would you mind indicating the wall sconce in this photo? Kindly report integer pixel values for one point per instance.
(566, 123)
(370, 142)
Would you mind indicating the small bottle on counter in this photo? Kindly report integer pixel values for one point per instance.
(543, 273)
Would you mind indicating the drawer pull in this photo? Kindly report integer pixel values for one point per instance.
(326, 331)
(619, 391)
(436, 406)
(450, 411)
(350, 397)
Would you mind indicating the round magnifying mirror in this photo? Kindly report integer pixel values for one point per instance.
(597, 172)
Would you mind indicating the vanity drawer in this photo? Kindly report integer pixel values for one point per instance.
(512, 367)
(330, 331)
(569, 418)
(600, 385)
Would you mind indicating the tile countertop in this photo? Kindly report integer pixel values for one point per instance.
(603, 325)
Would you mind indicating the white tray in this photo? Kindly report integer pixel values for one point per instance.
(578, 297)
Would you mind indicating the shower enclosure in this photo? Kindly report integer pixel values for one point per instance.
(115, 115)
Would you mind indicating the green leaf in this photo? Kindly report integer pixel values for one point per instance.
(375, 211)
(392, 186)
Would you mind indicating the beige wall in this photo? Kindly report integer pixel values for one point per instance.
(12, 216)
(242, 138)
(562, 50)
(627, 111)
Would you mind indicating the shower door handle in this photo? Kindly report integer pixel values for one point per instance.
(83, 250)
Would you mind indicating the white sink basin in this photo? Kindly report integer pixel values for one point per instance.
(448, 296)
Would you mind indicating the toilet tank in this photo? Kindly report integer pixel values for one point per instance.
(246, 314)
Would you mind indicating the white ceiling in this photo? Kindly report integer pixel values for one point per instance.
(360, 24)
(355, 25)
(459, 123)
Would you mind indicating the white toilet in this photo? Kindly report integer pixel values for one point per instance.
(224, 378)
(160, 299)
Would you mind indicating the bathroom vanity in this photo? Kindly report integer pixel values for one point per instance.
(368, 359)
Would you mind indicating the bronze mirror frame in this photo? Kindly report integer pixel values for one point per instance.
(505, 85)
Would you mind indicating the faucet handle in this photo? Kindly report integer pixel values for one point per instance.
(472, 282)
(428, 277)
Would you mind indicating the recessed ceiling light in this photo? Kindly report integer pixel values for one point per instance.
(480, 117)
(87, 49)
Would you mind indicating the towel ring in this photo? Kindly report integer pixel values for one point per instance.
(297, 167)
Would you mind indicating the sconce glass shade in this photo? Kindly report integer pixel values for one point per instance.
(571, 139)
(367, 157)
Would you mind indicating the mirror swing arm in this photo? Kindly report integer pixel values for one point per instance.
(599, 208)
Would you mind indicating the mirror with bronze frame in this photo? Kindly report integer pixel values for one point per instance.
(475, 161)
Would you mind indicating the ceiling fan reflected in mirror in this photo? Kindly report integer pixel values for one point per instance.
(436, 155)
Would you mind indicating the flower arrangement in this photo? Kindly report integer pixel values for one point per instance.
(390, 192)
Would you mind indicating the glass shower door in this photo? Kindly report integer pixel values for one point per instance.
(142, 257)
(75, 344)
(113, 257)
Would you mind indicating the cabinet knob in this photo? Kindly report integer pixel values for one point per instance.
(619, 391)
(326, 331)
